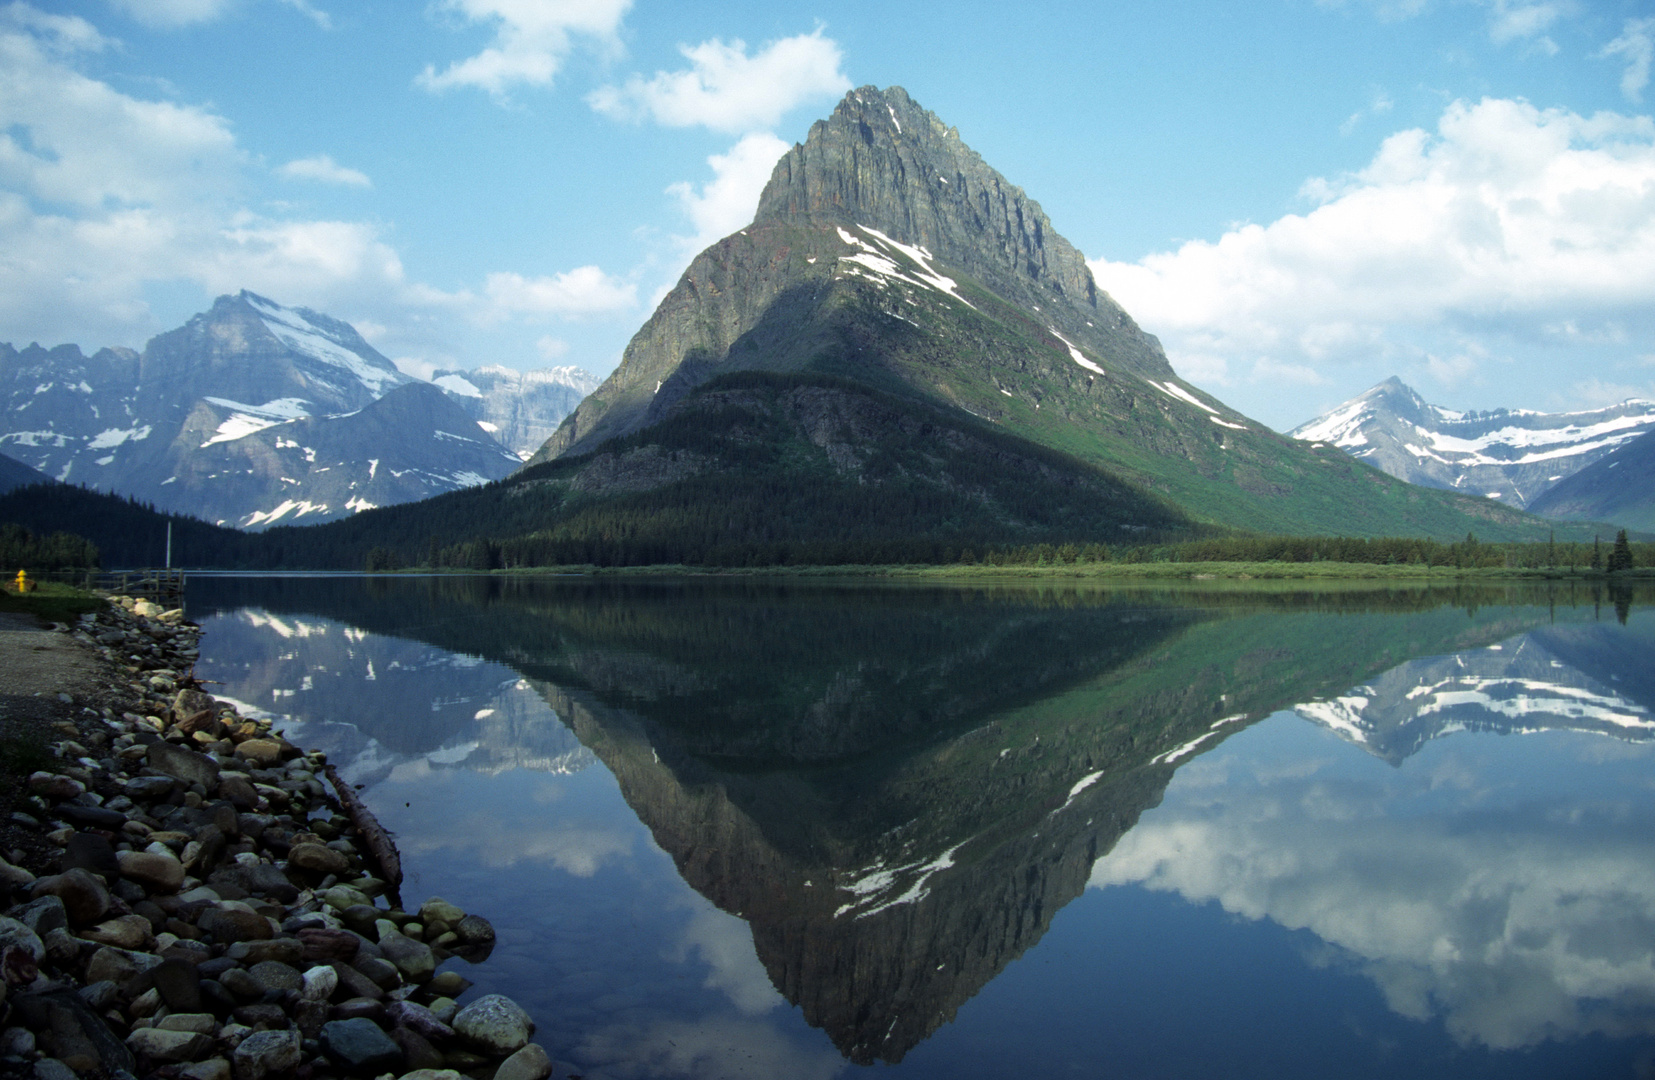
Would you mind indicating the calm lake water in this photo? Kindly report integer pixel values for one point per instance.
(784, 829)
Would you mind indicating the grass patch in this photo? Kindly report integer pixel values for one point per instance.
(51, 601)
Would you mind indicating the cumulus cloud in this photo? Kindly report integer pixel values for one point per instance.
(325, 169)
(1636, 46)
(1538, 928)
(532, 39)
(1524, 20)
(172, 13)
(1504, 220)
(727, 201)
(727, 90)
(585, 290)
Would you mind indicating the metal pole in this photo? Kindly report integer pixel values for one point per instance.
(169, 544)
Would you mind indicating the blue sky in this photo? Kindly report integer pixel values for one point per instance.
(1301, 197)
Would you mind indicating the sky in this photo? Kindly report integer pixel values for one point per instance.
(1299, 197)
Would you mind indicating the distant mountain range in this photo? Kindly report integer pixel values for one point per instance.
(519, 408)
(1513, 456)
(254, 414)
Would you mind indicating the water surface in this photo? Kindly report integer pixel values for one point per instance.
(757, 829)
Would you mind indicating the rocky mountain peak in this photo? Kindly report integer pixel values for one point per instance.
(882, 160)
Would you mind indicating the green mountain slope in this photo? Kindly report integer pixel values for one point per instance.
(887, 252)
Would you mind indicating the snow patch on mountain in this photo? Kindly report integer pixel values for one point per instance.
(303, 336)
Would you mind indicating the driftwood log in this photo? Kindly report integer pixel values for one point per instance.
(373, 833)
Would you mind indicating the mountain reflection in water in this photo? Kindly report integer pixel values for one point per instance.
(899, 788)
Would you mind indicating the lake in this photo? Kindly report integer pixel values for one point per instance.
(788, 828)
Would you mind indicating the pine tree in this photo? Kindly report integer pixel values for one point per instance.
(1620, 557)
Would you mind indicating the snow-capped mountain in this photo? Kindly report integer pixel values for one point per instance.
(519, 408)
(1512, 455)
(1555, 677)
(251, 414)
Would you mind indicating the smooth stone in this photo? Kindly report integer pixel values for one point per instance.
(264, 751)
(283, 950)
(417, 1051)
(352, 1008)
(16, 934)
(475, 930)
(125, 931)
(275, 975)
(413, 958)
(385, 975)
(360, 1045)
(229, 925)
(149, 788)
(182, 764)
(496, 1023)
(16, 1042)
(354, 984)
(85, 900)
(70, 1031)
(89, 851)
(318, 859)
(418, 1018)
(152, 869)
(99, 995)
(212, 1069)
(438, 909)
(240, 982)
(43, 915)
(432, 1074)
(14, 877)
(53, 1069)
(265, 1052)
(321, 943)
(90, 817)
(168, 1047)
(199, 1022)
(530, 1063)
(450, 984)
(119, 965)
(319, 983)
(179, 984)
(261, 1014)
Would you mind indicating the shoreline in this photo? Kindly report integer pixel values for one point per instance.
(187, 898)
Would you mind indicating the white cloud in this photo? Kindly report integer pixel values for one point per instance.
(727, 90)
(172, 13)
(727, 201)
(1636, 46)
(1524, 20)
(1534, 929)
(585, 290)
(532, 38)
(325, 169)
(551, 348)
(1505, 220)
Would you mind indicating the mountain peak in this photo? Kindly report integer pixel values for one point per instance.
(883, 160)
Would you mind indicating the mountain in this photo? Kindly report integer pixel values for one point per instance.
(886, 252)
(250, 414)
(15, 474)
(521, 409)
(1618, 487)
(1511, 455)
(1555, 677)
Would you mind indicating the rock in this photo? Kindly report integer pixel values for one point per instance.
(70, 1031)
(16, 1042)
(89, 851)
(99, 995)
(240, 982)
(16, 934)
(475, 930)
(529, 1063)
(495, 1023)
(261, 1014)
(449, 984)
(319, 983)
(360, 1046)
(85, 900)
(199, 1022)
(321, 943)
(413, 959)
(318, 859)
(437, 909)
(168, 1047)
(342, 898)
(52, 1069)
(266, 1053)
(418, 1018)
(367, 1008)
(274, 975)
(149, 788)
(283, 950)
(384, 974)
(355, 984)
(239, 791)
(153, 870)
(185, 765)
(417, 1051)
(90, 817)
(125, 931)
(14, 877)
(261, 879)
(432, 1074)
(212, 1069)
(119, 965)
(229, 925)
(43, 915)
(266, 752)
(179, 985)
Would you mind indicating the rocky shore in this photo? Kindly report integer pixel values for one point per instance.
(187, 898)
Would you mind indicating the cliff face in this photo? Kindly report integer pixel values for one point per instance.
(880, 163)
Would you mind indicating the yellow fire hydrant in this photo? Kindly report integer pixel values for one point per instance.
(23, 583)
